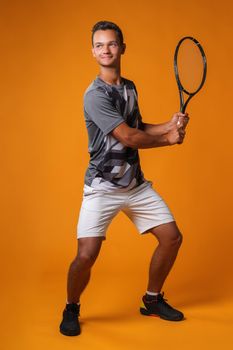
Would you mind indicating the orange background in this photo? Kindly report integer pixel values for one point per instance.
(46, 64)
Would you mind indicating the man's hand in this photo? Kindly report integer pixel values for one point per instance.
(176, 128)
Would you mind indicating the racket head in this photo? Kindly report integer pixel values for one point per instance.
(190, 67)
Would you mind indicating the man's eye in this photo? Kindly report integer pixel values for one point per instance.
(98, 46)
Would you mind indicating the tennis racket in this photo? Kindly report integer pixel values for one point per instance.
(190, 69)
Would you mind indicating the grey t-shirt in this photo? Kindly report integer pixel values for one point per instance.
(112, 166)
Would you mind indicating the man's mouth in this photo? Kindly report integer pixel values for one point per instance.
(104, 57)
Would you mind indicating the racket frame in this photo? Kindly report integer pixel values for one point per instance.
(182, 90)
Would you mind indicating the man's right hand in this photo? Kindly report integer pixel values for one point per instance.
(176, 128)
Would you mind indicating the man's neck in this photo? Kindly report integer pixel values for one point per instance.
(110, 76)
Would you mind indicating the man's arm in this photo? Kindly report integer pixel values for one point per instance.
(135, 138)
(158, 129)
(159, 136)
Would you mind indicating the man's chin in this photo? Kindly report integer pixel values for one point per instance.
(108, 65)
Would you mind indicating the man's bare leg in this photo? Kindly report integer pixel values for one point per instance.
(165, 254)
(78, 278)
(154, 304)
(80, 268)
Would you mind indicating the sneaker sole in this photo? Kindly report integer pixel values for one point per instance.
(145, 312)
(70, 333)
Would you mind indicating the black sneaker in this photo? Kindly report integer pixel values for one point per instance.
(157, 306)
(70, 323)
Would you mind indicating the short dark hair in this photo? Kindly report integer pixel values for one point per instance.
(104, 25)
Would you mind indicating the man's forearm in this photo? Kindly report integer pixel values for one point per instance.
(155, 129)
(141, 139)
(151, 135)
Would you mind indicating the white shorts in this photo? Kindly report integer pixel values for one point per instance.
(143, 205)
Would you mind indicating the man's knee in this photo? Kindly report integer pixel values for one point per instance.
(170, 235)
(84, 259)
(175, 240)
(88, 250)
(179, 238)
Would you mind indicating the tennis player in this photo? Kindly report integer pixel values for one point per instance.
(115, 182)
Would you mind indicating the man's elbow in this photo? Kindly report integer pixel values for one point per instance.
(129, 141)
(126, 139)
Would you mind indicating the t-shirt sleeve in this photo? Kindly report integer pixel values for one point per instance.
(101, 111)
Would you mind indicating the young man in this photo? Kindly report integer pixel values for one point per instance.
(114, 180)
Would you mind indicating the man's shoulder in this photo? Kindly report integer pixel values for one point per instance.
(90, 87)
(94, 87)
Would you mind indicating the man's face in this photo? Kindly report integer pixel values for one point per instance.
(107, 48)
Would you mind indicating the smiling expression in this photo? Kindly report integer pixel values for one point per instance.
(107, 48)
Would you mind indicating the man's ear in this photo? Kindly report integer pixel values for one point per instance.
(93, 52)
(123, 48)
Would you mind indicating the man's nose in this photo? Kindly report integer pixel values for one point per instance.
(106, 49)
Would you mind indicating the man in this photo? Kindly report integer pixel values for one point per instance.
(114, 180)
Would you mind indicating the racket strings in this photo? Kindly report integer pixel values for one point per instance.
(190, 66)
